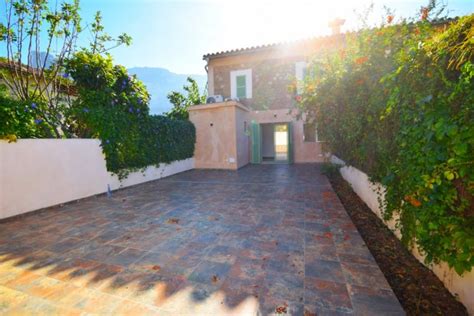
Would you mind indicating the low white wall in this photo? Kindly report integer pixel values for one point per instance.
(37, 173)
(463, 286)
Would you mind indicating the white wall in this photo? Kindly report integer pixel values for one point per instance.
(37, 173)
(463, 286)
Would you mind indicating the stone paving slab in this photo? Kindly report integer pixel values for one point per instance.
(267, 239)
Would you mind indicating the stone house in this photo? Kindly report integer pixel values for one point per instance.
(259, 122)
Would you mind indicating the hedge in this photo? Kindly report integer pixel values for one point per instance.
(398, 103)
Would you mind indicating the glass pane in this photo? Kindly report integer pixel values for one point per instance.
(241, 88)
(240, 81)
(309, 132)
(241, 92)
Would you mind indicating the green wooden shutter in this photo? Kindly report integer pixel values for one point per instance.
(241, 87)
(290, 143)
(256, 155)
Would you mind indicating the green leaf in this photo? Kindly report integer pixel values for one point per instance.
(449, 175)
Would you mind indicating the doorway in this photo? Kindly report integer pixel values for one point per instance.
(275, 143)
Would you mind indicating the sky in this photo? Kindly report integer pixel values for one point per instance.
(176, 34)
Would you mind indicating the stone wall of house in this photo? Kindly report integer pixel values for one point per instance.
(270, 81)
(273, 70)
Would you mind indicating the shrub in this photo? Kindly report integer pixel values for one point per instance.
(181, 103)
(397, 102)
(21, 119)
(113, 106)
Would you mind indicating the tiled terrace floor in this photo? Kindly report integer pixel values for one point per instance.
(266, 239)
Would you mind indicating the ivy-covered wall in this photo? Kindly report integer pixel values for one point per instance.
(397, 103)
(113, 106)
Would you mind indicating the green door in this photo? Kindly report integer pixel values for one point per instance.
(256, 155)
(290, 143)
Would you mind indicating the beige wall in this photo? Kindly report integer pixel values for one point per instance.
(226, 144)
(220, 141)
(463, 286)
(38, 173)
(305, 151)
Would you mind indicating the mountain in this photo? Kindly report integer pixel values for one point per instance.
(160, 82)
(36, 61)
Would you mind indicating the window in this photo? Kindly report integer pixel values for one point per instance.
(300, 74)
(241, 84)
(241, 91)
(310, 132)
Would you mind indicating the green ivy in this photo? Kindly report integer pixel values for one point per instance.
(113, 106)
(398, 102)
(21, 119)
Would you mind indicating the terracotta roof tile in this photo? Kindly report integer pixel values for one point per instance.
(252, 49)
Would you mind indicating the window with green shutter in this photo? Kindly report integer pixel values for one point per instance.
(241, 88)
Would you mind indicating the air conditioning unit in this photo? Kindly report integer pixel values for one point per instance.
(214, 99)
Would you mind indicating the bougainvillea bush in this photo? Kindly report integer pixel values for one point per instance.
(397, 101)
(113, 106)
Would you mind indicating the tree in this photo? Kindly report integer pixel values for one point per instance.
(181, 103)
(39, 37)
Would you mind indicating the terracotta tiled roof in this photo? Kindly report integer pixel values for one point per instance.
(253, 49)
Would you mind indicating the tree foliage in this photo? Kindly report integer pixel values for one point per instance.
(20, 119)
(39, 37)
(397, 102)
(181, 103)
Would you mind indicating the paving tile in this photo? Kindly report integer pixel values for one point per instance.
(327, 295)
(126, 257)
(321, 252)
(100, 276)
(276, 306)
(38, 306)
(325, 270)
(209, 272)
(125, 283)
(65, 245)
(364, 275)
(158, 290)
(285, 286)
(152, 261)
(127, 307)
(223, 254)
(9, 298)
(314, 310)
(368, 301)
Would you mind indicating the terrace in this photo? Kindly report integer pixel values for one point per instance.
(266, 239)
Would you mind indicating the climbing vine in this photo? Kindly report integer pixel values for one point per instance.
(397, 101)
(113, 106)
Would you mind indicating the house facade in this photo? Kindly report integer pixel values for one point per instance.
(259, 122)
